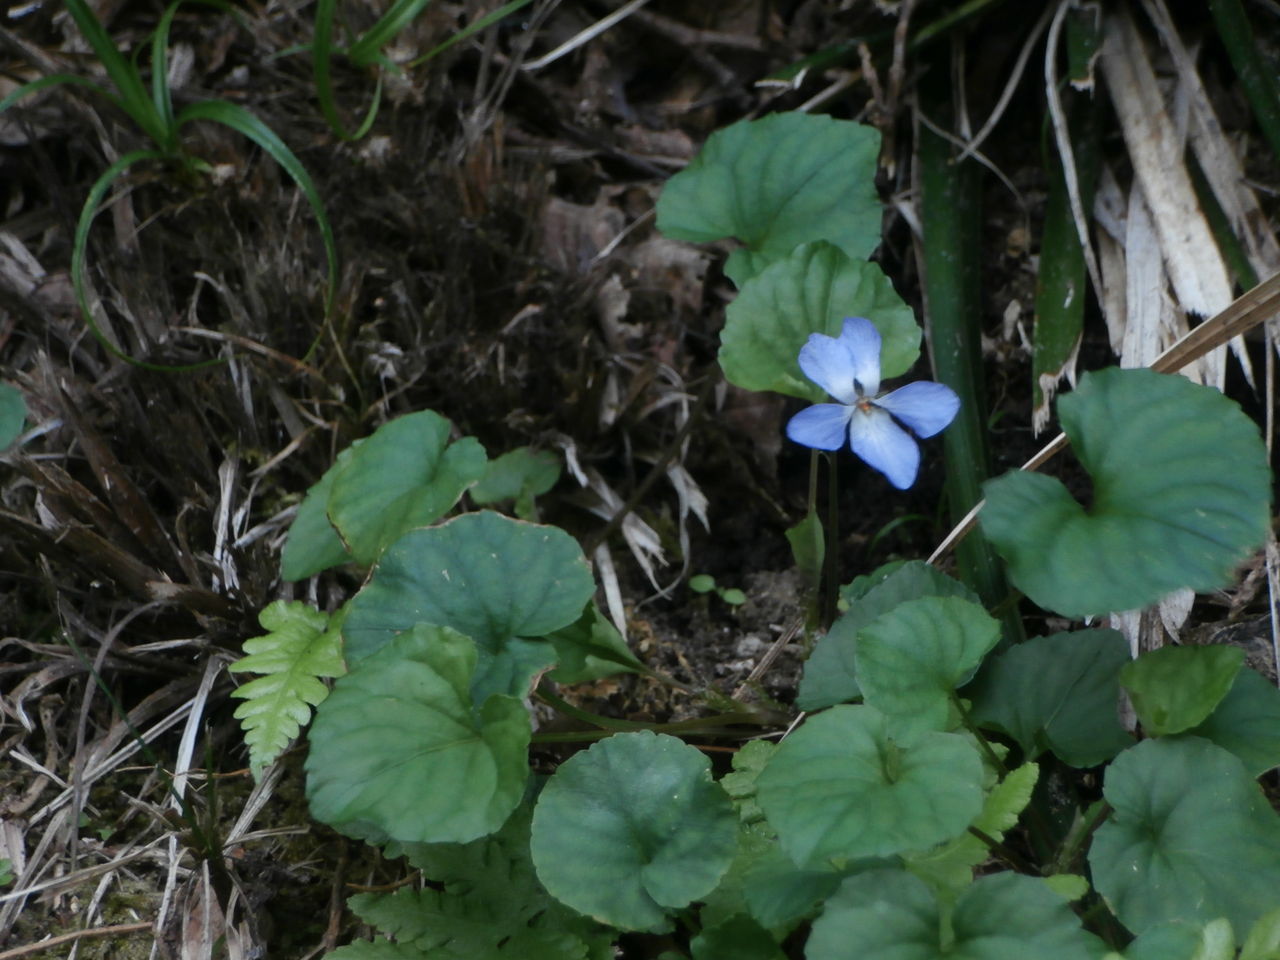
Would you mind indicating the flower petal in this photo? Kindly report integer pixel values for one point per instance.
(862, 340)
(926, 407)
(826, 361)
(883, 444)
(841, 365)
(822, 426)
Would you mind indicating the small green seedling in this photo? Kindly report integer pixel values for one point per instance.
(705, 583)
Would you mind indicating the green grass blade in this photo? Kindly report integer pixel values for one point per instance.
(1233, 251)
(1062, 283)
(1256, 77)
(322, 70)
(243, 122)
(79, 277)
(160, 94)
(950, 215)
(472, 29)
(53, 80)
(365, 50)
(133, 94)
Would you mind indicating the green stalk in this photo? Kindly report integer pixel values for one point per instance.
(808, 548)
(1233, 251)
(1062, 283)
(951, 246)
(471, 29)
(831, 587)
(1257, 79)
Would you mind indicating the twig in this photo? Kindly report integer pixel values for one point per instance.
(1259, 304)
(119, 930)
(770, 655)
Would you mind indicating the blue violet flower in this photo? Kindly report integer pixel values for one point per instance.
(848, 368)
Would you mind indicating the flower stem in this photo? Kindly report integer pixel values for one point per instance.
(832, 591)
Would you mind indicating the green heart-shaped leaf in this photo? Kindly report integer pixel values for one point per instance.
(948, 869)
(632, 829)
(500, 581)
(1247, 722)
(830, 674)
(775, 183)
(590, 648)
(1174, 688)
(313, 545)
(739, 937)
(397, 750)
(891, 915)
(911, 659)
(481, 899)
(520, 474)
(810, 291)
(1191, 837)
(1057, 693)
(850, 784)
(1177, 940)
(1181, 494)
(1263, 941)
(405, 475)
(780, 894)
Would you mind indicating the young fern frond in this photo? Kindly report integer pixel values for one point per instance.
(301, 646)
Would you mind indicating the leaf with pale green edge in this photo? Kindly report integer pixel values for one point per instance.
(738, 938)
(405, 475)
(1181, 494)
(482, 900)
(1247, 722)
(740, 783)
(13, 414)
(910, 660)
(500, 581)
(378, 949)
(776, 892)
(1177, 940)
(892, 915)
(632, 829)
(398, 750)
(851, 783)
(948, 869)
(590, 648)
(830, 674)
(861, 585)
(808, 547)
(780, 895)
(1056, 693)
(1175, 688)
(301, 646)
(811, 291)
(775, 183)
(313, 544)
(520, 475)
(1069, 886)
(441, 927)
(729, 898)
(1191, 837)
(1263, 940)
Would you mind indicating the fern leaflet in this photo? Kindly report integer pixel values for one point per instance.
(301, 646)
